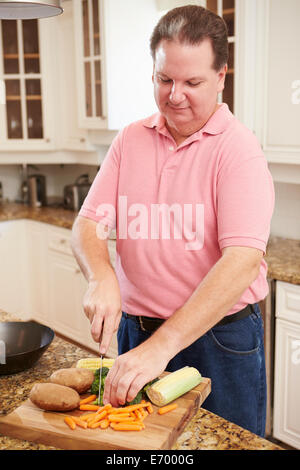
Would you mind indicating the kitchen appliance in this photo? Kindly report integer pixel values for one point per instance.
(37, 190)
(23, 343)
(75, 194)
(29, 9)
(28, 422)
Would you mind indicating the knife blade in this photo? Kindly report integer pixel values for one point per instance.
(100, 376)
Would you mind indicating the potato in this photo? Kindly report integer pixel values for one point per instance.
(78, 379)
(48, 396)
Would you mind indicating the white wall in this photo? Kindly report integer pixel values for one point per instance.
(286, 217)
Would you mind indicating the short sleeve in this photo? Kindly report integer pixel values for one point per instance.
(245, 203)
(101, 201)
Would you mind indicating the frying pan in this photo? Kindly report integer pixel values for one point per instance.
(22, 344)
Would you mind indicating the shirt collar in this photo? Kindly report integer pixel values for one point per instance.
(217, 123)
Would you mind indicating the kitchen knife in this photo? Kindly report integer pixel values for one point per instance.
(100, 376)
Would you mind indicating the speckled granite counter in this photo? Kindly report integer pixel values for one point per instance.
(283, 259)
(49, 215)
(205, 431)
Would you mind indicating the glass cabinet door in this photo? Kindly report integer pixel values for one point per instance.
(90, 56)
(226, 9)
(22, 78)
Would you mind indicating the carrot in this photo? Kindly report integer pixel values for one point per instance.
(70, 422)
(89, 407)
(88, 416)
(144, 414)
(127, 427)
(118, 419)
(138, 413)
(150, 409)
(104, 423)
(98, 417)
(94, 425)
(87, 400)
(167, 408)
(80, 422)
(136, 407)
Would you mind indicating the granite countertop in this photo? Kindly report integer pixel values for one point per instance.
(283, 259)
(50, 215)
(205, 431)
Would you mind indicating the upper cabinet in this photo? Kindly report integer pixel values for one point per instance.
(114, 65)
(25, 64)
(278, 84)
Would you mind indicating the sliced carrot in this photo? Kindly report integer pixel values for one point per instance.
(80, 422)
(88, 416)
(89, 407)
(167, 408)
(94, 425)
(104, 423)
(70, 422)
(150, 409)
(127, 427)
(118, 418)
(87, 399)
(144, 414)
(136, 407)
(98, 417)
(138, 413)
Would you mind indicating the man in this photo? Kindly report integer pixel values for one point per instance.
(187, 289)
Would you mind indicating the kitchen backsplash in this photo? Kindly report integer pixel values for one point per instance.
(57, 176)
(286, 217)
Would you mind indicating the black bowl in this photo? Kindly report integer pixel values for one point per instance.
(22, 344)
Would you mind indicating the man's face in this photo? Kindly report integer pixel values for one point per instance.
(186, 86)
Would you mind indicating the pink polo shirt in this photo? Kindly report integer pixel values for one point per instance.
(176, 208)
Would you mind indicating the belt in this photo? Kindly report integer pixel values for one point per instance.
(152, 324)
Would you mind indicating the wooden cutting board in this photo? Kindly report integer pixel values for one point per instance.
(28, 422)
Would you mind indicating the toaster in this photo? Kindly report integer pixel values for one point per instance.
(75, 194)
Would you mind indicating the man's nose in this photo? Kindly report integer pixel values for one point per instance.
(177, 94)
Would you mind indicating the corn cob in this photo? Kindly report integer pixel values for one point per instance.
(94, 363)
(173, 385)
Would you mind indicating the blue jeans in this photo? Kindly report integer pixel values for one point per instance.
(232, 355)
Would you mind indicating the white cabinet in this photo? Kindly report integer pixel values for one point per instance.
(114, 66)
(70, 136)
(27, 62)
(277, 91)
(287, 365)
(13, 278)
(37, 264)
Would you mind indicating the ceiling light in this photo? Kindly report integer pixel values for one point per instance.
(29, 9)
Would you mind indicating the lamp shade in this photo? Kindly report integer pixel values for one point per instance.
(29, 9)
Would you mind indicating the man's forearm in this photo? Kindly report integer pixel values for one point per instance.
(90, 251)
(219, 291)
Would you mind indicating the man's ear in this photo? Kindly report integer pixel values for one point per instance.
(221, 78)
(153, 72)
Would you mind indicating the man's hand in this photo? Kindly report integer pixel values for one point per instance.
(102, 306)
(132, 370)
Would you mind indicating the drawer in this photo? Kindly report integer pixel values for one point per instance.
(288, 301)
(60, 242)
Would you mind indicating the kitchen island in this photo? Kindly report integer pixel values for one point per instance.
(205, 431)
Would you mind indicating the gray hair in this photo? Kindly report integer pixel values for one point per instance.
(191, 25)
